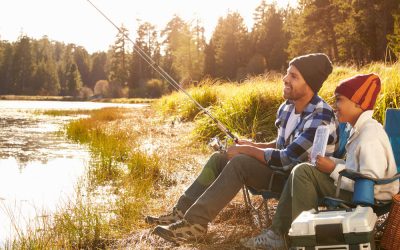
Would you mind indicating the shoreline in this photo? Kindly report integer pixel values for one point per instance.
(74, 99)
(36, 98)
(151, 137)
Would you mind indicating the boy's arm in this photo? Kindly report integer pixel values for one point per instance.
(372, 160)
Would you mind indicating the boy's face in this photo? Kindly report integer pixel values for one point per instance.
(295, 87)
(346, 110)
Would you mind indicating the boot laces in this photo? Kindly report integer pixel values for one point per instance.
(178, 224)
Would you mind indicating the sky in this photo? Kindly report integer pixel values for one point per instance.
(76, 21)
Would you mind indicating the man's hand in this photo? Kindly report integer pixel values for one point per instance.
(245, 142)
(232, 151)
(324, 164)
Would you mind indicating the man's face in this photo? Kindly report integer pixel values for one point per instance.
(295, 87)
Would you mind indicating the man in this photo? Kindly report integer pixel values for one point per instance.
(368, 152)
(247, 163)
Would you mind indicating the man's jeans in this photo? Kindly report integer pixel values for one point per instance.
(219, 182)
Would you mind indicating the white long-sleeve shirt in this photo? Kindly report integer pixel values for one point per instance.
(370, 153)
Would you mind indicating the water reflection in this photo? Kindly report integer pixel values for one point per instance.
(27, 136)
(38, 167)
(33, 138)
(35, 191)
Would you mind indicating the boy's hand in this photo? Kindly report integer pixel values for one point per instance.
(324, 164)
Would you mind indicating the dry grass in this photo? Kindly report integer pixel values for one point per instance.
(179, 156)
(124, 100)
(81, 223)
(182, 160)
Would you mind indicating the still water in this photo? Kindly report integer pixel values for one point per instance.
(38, 167)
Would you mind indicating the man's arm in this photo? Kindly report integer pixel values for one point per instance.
(252, 151)
(271, 144)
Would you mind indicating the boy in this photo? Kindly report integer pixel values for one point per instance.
(368, 151)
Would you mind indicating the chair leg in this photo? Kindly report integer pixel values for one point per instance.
(246, 197)
(267, 221)
(254, 210)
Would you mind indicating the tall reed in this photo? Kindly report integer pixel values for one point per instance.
(111, 197)
(249, 108)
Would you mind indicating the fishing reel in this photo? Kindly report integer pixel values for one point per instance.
(216, 144)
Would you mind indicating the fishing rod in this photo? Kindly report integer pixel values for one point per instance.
(214, 141)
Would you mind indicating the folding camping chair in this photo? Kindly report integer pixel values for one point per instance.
(256, 210)
(364, 185)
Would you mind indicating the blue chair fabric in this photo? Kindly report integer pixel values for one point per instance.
(392, 128)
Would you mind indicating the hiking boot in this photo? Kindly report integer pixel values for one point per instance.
(181, 231)
(165, 219)
(268, 239)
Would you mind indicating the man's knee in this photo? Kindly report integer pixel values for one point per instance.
(212, 169)
(216, 162)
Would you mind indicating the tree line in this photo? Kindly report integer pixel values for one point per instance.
(350, 32)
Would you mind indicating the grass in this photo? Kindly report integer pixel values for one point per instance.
(180, 105)
(56, 112)
(248, 108)
(141, 165)
(125, 100)
(114, 194)
(389, 96)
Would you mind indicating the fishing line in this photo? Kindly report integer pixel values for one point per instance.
(165, 75)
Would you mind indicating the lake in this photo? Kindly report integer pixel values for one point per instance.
(39, 168)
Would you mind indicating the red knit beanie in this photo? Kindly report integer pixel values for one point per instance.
(361, 89)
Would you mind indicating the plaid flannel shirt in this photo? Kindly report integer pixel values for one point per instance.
(297, 147)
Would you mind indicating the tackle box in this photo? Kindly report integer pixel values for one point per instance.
(338, 229)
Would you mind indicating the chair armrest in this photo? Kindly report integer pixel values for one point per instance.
(353, 175)
(387, 180)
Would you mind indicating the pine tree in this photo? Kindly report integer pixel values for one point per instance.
(394, 39)
(119, 73)
(184, 54)
(170, 36)
(269, 37)
(209, 60)
(82, 60)
(22, 66)
(73, 80)
(146, 44)
(98, 71)
(6, 62)
(231, 45)
(45, 80)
